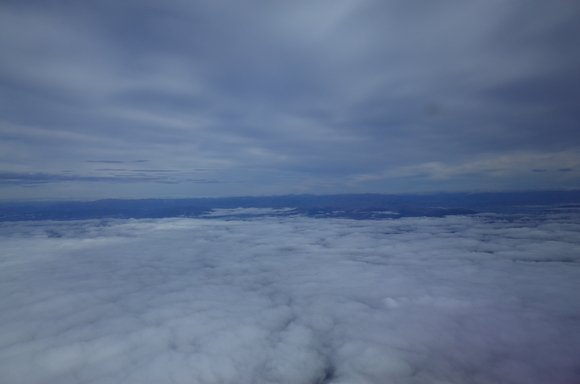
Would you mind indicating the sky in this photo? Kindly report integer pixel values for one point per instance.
(173, 98)
(294, 300)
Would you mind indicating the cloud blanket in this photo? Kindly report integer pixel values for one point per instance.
(481, 299)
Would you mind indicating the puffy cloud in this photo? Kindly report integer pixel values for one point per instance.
(481, 299)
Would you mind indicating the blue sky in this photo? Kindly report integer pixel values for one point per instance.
(176, 98)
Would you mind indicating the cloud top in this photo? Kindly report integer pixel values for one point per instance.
(291, 300)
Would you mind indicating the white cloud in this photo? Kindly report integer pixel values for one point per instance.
(512, 164)
(477, 299)
(247, 212)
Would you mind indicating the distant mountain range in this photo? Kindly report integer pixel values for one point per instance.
(354, 206)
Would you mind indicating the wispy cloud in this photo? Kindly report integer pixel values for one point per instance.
(105, 161)
(119, 176)
(492, 166)
(317, 90)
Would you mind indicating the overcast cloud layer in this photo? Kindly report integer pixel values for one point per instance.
(456, 300)
(212, 98)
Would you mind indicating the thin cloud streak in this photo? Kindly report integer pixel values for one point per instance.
(124, 176)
